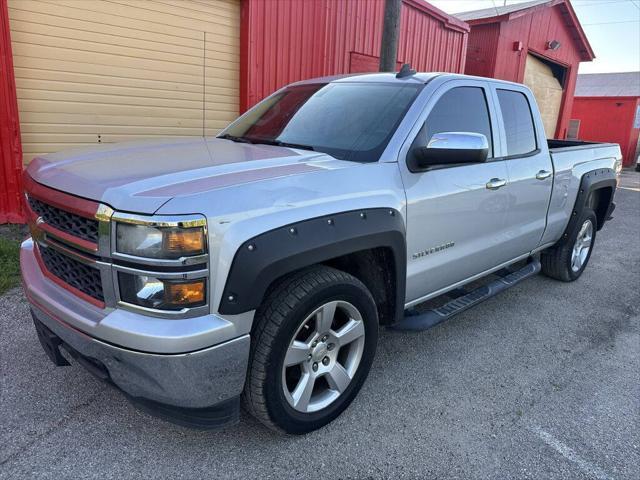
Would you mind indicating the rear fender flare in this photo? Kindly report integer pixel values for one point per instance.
(590, 182)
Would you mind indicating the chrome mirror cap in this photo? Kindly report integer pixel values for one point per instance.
(459, 141)
(450, 148)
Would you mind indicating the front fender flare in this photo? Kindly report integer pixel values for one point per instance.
(261, 260)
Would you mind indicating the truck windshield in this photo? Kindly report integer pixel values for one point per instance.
(350, 121)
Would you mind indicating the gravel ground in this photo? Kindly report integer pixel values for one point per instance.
(542, 381)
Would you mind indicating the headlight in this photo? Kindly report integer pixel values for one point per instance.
(159, 242)
(162, 294)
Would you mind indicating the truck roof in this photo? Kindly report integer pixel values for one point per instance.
(383, 77)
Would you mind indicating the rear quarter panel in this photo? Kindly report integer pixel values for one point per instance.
(570, 164)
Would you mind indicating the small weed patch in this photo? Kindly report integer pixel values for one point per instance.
(9, 264)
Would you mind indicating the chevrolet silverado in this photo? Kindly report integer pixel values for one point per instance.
(256, 267)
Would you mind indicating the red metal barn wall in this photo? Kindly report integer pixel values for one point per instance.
(482, 50)
(11, 209)
(283, 41)
(491, 52)
(609, 119)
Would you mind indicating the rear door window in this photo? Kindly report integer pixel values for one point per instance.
(518, 122)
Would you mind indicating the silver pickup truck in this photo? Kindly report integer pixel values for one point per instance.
(259, 265)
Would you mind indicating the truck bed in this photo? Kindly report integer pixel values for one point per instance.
(562, 145)
(566, 154)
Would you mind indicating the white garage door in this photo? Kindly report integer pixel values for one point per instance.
(547, 89)
(95, 71)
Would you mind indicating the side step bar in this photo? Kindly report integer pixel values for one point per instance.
(417, 321)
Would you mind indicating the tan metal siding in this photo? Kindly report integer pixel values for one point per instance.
(90, 71)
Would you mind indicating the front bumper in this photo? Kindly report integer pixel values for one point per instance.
(125, 328)
(199, 387)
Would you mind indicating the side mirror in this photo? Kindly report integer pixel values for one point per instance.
(453, 147)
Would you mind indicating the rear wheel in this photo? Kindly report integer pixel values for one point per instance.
(312, 347)
(567, 260)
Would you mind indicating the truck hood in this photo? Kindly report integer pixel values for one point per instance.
(141, 176)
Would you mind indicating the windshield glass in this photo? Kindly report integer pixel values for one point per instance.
(350, 121)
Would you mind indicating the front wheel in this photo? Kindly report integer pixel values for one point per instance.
(312, 347)
(568, 260)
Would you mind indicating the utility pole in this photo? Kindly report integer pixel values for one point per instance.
(390, 35)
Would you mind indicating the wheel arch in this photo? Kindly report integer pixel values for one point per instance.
(376, 268)
(369, 244)
(599, 200)
(597, 188)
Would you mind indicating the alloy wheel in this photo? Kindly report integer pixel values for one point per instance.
(582, 246)
(323, 356)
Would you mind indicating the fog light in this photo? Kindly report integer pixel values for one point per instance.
(184, 293)
(162, 294)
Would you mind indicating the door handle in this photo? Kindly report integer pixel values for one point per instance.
(543, 174)
(496, 183)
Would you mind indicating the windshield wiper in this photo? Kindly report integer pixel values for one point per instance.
(265, 141)
(278, 143)
(233, 138)
(296, 145)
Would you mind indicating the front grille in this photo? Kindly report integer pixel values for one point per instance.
(74, 273)
(81, 227)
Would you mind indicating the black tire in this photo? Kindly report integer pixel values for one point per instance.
(556, 261)
(285, 308)
(637, 167)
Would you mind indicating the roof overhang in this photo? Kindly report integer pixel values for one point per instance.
(449, 21)
(568, 14)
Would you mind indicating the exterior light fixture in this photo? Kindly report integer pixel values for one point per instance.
(553, 45)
